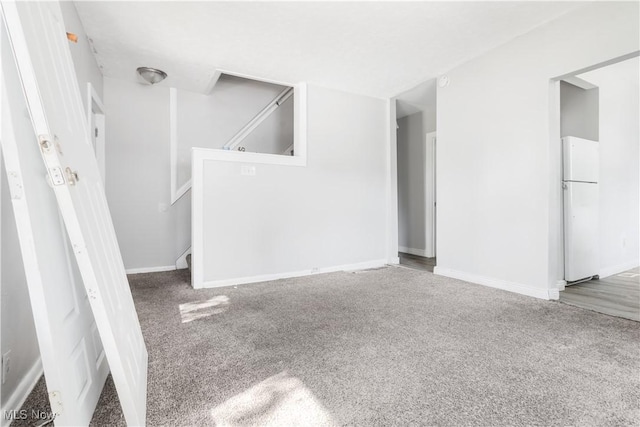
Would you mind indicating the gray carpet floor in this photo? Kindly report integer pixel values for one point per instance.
(392, 346)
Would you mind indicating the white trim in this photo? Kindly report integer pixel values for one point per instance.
(150, 269)
(561, 285)
(26, 385)
(391, 184)
(300, 122)
(204, 154)
(181, 262)
(100, 151)
(173, 144)
(577, 81)
(616, 269)
(277, 276)
(197, 217)
(430, 194)
(556, 198)
(547, 294)
(181, 192)
(413, 251)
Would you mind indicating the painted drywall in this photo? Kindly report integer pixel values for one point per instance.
(499, 201)
(579, 111)
(210, 121)
(285, 219)
(619, 180)
(17, 333)
(414, 183)
(411, 183)
(151, 232)
(84, 61)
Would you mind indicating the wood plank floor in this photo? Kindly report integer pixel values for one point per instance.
(617, 295)
(417, 262)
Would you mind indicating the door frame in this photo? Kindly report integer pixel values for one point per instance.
(95, 108)
(556, 273)
(430, 194)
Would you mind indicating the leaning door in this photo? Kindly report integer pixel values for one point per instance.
(39, 43)
(76, 366)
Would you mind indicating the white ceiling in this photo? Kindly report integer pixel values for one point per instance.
(374, 48)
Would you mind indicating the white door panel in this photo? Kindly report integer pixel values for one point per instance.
(70, 351)
(40, 44)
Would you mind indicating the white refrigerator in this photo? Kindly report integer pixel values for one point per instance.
(581, 205)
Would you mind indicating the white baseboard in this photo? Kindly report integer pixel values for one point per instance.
(413, 251)
(610, 271)
(561, 284)
(394, 260)
(277, 276)
(150, 269)
(181, 262)
(22, 391)
(547, 294)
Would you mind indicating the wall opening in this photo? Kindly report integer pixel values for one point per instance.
(416, 149)
(596, 152)
(237, 114)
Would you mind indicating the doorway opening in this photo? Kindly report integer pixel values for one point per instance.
(416, 142)
(599, 170)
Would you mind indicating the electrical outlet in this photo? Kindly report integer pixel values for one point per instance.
(6, 365)
(163, 207)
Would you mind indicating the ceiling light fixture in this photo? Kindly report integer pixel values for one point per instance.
(151, 75)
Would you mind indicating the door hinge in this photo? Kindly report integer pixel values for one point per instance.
(72, 176)
(45, 144)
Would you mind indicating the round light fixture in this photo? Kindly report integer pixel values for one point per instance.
(151, 75)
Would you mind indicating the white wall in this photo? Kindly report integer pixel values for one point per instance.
(288, 219)
(87, 69)
(151, 233)
(414, 181)
(497, 165)
(619, 165)
(579, 111)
